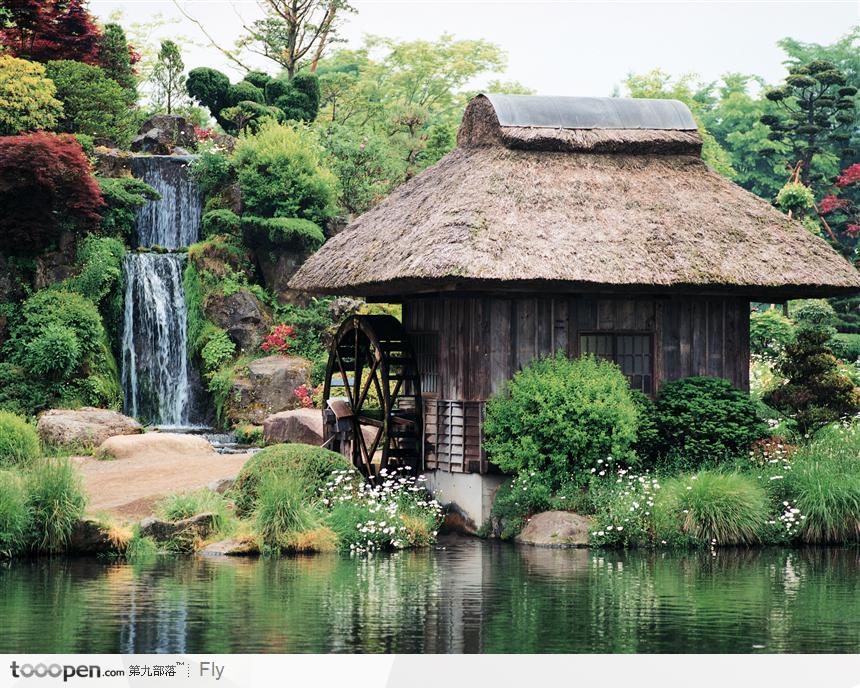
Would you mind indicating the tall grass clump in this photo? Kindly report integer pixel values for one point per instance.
(56, 501)
(14, 514)
(182, 505)
(286, 520)
(19, 443)
(712, 508)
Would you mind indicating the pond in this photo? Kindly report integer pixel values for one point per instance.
(464, 595)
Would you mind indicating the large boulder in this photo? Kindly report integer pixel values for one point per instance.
(234, 547)
(89, 536)
(299, 426)
(51, 267)
(162, 134)
(242, 315)
(154, 445)
(267, 387)
(556, 529)
(84, 427)
(112, 162)
(197, 527)
(278, 267)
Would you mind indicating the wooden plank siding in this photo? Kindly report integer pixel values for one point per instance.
(484, 340)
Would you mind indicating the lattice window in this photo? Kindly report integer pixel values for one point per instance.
(632, 352)
(453, 436)
(427, 352)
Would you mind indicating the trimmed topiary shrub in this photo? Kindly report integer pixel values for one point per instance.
(19, 443)
(56, 501)
(221, 221)
(702, 421)
(711, 508)
(14, 515)
(558, 417)
(309, 466)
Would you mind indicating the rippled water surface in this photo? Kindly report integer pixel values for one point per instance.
(463, 596)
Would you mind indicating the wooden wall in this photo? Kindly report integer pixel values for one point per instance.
(484, 340)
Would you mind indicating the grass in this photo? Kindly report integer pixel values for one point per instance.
(283, 512)
(182, 505)
(56, 501)
(19, 443)
(14, 514)
(712, 507)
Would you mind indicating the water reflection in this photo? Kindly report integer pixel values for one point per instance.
(465, 596)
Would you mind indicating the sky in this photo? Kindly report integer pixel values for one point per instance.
(566, 47)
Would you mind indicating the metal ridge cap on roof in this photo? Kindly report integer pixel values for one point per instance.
(573, 112)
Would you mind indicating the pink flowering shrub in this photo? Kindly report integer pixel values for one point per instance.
(278, 340)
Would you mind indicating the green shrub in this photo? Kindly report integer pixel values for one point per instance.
(212, 170)
(623, 504)
(14, 514)
(558, 416)
(56, 501)
(282, 232)
(283, 509)
(250, 435)
(813, 313)
(19, 443)
(182, 505)
(647, 435)
(703, 420)
(846, 346)
(281, 174)
(55, 353)
(123, 197)
(219, 349)
(221, 221)
(770, 333)
(516, 500)
(712, 508)
(816, 392)
(310, 467)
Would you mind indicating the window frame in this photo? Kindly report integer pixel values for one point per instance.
(614, 335)
(414, 338)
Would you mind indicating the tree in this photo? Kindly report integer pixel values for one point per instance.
(168, 77)
(93, 104)
(51, 30)
(27, 101)
(45, 188)
(117, 58)
(816, 109)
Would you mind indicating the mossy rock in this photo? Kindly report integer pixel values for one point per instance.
(311, 466)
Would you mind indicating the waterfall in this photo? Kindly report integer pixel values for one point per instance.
(156, 373)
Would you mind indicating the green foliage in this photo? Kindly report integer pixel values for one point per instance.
(54, 354)
(795, 197)
(846, 346)
(212, 170)
(816, 392)
(310, 467)
(115, 60)
(220, 221)
(219, 349)
(770, 333)
(27, 101)
(93, 104)
(281, 233)
(314, 326)
(364, 164)
(208, 87)
(14, 515)
(516, 500)
(56, 501)
(702, 421)
(19, 443)
(245, 90)
(281, 174)
(168, 78)
(123, 197)
(559, 416)
(249, 435)
(813, 313)
(283, 509)
(623, 504)
(182, 505)
(712, 508)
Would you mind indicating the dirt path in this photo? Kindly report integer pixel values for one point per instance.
(129, 487)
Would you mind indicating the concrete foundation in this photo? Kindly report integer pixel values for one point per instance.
(472, 493)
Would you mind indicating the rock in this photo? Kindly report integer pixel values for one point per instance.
(55, 266)
(235, 547)
(245, 319)
(84, 427)
(278, 268)
(267, 388)
(225, 141)
(161, 134)
(299, 426)
(456, 520)
(556, 529)
(112, 162)
(154, 445)
(90, 537)
(222, 486)
(196, 527)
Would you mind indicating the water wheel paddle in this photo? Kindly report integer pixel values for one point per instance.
(372, 396)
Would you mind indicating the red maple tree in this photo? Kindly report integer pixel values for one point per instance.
(46, 187)
(43, 30)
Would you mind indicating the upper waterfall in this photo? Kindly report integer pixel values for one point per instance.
(173, 221)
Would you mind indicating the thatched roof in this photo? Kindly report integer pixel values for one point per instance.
(541, 202)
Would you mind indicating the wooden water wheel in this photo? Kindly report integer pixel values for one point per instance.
(372, 396)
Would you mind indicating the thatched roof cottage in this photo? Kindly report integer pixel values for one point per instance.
(589, 225)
